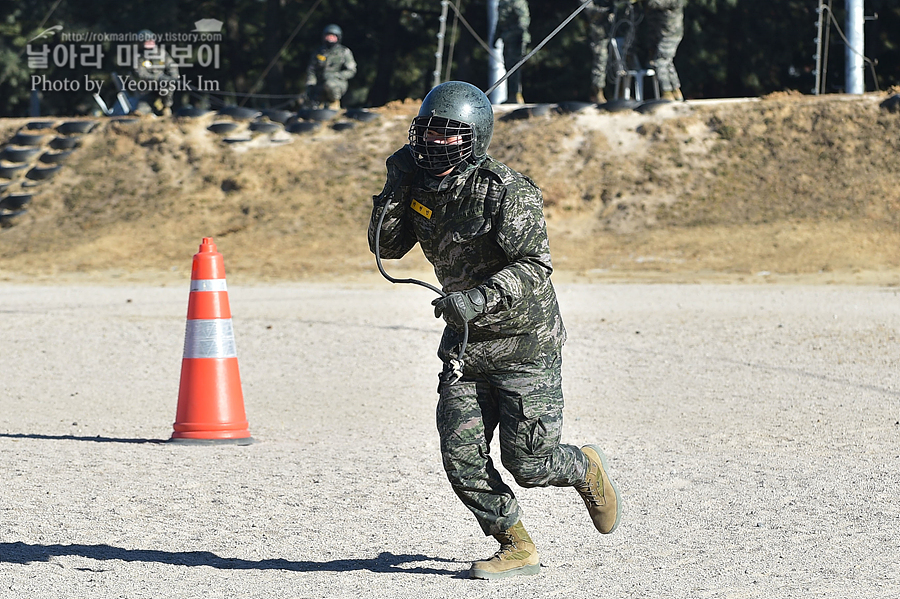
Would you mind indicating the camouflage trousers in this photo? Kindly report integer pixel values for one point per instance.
(514, 48)
(601, 20)
(665, 29)
(331, 90)
(521, 401)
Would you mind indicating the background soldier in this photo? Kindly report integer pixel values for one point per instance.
(665, 28)
(156, 65)
(513, 20)
(481, 225)
(600, 20)
(330, 69)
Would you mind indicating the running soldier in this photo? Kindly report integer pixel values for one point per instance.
(481, 225)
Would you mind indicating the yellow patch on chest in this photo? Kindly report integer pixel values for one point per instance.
(423, 210)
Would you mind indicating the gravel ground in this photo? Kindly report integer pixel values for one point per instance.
(753, 431)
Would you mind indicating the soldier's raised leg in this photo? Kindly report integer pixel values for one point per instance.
(531, 415)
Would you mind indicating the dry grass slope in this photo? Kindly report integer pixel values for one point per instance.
(798, 187)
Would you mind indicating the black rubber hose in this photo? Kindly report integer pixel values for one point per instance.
(440, 292)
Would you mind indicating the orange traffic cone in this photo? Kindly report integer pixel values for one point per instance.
(210, 401)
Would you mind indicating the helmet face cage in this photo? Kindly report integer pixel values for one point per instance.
(450, 142)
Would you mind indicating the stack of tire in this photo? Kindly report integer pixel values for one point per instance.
(542, 110)
(231, 123)
(30, 157)
(271, 122)
(527, 112)
(236, 124)
(309, 120)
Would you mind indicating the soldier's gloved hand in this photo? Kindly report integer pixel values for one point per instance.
(399, 164)
(459, 307)
(402, 160)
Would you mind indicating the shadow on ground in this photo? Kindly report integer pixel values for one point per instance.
(384, 563)
(97, 439)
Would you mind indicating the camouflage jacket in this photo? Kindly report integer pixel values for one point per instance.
(665, 4)
(156, 65)
(329, 63)
(481, 228)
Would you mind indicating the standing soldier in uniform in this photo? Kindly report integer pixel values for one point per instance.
(481, 225)
(600, 20)
(157, 66)
(665, 28)
(330, 68)
(513, 20)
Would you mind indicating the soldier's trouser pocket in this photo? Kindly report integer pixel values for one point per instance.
(531, 406)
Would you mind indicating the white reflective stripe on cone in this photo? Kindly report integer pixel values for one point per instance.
(212, 338)
(208, 285)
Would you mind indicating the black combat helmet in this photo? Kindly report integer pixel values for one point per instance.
(461, 117)
(329, 29)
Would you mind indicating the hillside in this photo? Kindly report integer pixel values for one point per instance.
(786, 187)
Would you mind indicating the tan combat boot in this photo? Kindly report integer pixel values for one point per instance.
(597, 96)
(334, 105)
(517, 556)
(668, 95)
(600, 495)
(679, 97)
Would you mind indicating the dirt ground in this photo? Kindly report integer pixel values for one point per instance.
(752, 429)
(783, 188)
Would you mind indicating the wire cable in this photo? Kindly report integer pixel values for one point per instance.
(283, 48)
(825, 49)
(538, 47)
(452, 41)
(43, 22)
(629, 22)
(440, 292)
(477, 37)
(867, 60)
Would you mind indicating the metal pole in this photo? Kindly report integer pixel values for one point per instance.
(34, 106)
(855, 47)
(452, 41)
(818, 50)
(438, 56)
(496, 68)
(826, 45)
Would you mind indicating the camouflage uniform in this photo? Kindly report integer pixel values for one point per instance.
(600, 19)
(329, 71)
(513, 20)
(665, 28)
(157, 65)
(484, 227)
